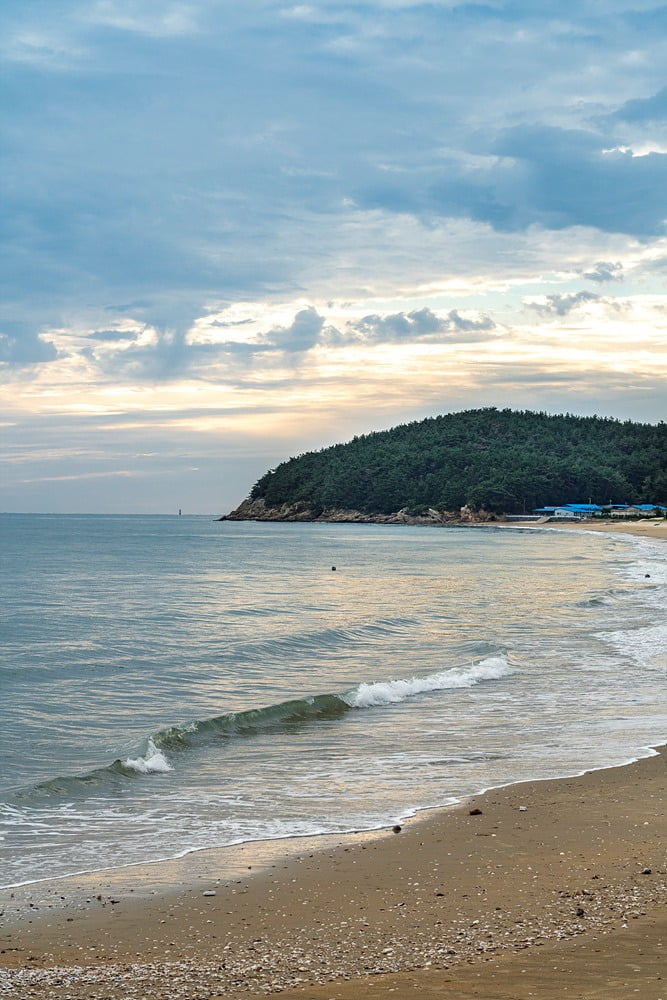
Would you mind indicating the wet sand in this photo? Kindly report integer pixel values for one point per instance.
(548, 889)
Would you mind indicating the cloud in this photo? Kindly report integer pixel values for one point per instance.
(163, 356)
(604, 271)
(195, 152)
(114, 336)
(458, 322)
(172, 168)
(559, 178)
(644, 109)
(419, 325)
(150, 354)
(301, 335)
(149, 17)
(560, 304)
(20, 345)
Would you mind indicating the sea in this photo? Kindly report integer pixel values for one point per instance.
(169, 684)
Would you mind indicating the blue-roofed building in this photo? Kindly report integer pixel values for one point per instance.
(569, 511)
(583, 509)
(572, 511)
(639, 510)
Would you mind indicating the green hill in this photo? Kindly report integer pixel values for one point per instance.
(500, 460)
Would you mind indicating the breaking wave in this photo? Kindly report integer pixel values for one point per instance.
(390, 692)
(153, 761)
(280, 718)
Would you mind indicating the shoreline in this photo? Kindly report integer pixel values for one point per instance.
(300, 513)
(459, 892)
(181, 859)
(455, 905)
(167, 874)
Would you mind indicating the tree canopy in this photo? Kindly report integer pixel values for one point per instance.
(501, 460)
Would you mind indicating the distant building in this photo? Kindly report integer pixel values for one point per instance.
(583, 509)
(577, 511)
(569, 511)
(638, 510)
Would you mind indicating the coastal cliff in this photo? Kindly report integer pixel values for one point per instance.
(257, 510)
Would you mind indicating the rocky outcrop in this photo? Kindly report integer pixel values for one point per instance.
(256, 510)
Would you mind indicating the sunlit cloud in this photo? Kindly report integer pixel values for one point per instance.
(76, 477)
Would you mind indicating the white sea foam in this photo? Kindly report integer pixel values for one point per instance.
(153, 761)
(647, 647)
(650, 563)
(391, 692)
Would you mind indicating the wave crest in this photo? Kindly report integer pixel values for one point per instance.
(391, 692)
(153, 761)
(279, 718)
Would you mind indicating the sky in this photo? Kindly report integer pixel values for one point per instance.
(234, 232)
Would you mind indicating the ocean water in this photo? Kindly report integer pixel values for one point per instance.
(174, 683)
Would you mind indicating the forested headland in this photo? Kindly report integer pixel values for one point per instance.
(501, 461)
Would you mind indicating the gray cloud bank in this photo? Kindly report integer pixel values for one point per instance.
(604, 271)
(162, 155)
(560, 304)
(419, 325)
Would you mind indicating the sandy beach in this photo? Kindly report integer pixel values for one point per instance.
(648, 528)
(553, 888)
(542, 889)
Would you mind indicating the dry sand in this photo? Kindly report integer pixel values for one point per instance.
(547, 889)
(648, 528)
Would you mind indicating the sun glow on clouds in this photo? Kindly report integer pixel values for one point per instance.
(238, 233)
(383, 352)
(315, 397)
